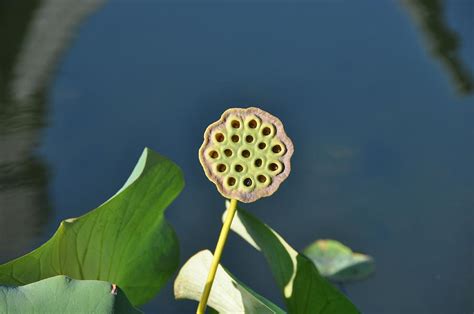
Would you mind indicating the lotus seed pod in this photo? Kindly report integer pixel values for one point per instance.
(246, 153)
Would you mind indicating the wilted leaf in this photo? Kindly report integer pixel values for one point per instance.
(303, 288)
(62, 294)
(126, 240)
(228, 295)
(337, 262)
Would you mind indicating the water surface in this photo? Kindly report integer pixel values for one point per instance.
(376, 95)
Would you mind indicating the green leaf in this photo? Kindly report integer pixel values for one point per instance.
(126, 240)
(62, 294)
(228, 295)
(303, 288)
(337, 262)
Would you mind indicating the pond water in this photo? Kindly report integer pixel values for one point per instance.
(376, 95)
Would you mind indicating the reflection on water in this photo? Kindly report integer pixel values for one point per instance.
(33, 34)
(442, 41)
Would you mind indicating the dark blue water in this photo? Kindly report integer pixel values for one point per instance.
(376, 96)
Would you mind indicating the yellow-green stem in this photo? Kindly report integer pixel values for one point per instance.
(217, 256)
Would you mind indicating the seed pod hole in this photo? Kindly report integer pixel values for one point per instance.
(238, 168)
(276, 149)
(266, 131)
(261, 178)
(219, 137)
(258, 162)
(247, 182)
(221, 167)
(228, 152)
(262, 145)
(252, 124)
(273, 167)
(249, 138)
(213, 154)
(235, 138)
(245, 153)
(231, 181)
(235, 124)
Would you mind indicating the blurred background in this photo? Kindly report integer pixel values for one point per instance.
(377, 96)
